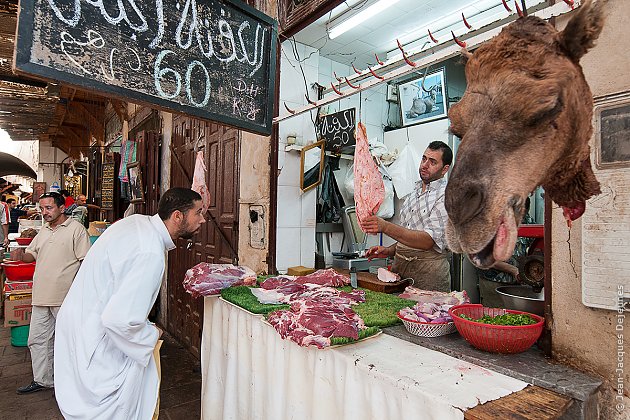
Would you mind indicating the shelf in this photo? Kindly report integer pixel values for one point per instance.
(297, 147)
(291, 147)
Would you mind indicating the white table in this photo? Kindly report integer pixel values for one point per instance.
(250, 373)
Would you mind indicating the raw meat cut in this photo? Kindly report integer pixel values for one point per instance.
(206, 279)
(439, 298)
(369, 190)
(283, 284)
(314, 322)
(387, 276)
(328, 277)
(199, 181)
(283, 294)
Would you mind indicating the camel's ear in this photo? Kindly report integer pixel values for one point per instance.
(465, 56)
(583, 29)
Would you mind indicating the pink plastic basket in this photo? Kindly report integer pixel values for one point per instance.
(427, 329)
(495, 338)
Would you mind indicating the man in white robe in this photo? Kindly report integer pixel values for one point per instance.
(104, 365)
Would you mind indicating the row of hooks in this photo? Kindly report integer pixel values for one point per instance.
(519, 11)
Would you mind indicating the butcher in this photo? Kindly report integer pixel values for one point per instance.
(420, 252)
(104, 344)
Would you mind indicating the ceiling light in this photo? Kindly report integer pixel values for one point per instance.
(341, 26)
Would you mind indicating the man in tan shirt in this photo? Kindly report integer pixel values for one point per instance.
(58, 249)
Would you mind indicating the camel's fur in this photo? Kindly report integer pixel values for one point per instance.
(524, 121)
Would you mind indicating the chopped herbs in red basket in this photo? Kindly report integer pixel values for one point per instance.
(506, 319)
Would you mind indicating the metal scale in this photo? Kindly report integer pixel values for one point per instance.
(356, 243)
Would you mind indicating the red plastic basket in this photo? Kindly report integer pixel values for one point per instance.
(495, 338)
(24, 241)
(18, 271)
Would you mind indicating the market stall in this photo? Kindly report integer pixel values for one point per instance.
(250, 372)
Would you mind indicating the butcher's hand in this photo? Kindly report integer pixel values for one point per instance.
(379, 252)
(5, 242)
(373, 224)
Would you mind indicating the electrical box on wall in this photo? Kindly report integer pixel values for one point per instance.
(392, 93)
(257, 227)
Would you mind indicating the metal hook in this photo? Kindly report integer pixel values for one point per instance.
(404, 54)
(466, 22)
(434, 39)
(458, 41)
(199, 138)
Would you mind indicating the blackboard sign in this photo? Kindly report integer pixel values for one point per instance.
(107, 186)
(338, 131)
(208, 58)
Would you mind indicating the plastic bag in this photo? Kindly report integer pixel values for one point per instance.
(386, 210)
(348, 183)
(404, 171)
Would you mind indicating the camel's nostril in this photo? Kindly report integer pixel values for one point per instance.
(465, 205)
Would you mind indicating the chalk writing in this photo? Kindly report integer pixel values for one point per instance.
(338, 130)
(210, 58)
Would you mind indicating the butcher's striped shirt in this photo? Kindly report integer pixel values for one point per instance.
(425, 211)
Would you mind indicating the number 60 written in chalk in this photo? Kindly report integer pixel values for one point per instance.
(160, 72)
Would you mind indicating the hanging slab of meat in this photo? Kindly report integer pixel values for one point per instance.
(369, 190)
(206, 279)
(327, 277)
(199, 181)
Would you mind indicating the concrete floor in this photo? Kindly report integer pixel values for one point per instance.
(179, 394)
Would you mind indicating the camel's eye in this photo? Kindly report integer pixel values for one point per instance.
(547, 111)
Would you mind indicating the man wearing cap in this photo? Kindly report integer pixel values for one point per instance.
(58, 250)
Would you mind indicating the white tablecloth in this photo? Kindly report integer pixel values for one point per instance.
(250, 373)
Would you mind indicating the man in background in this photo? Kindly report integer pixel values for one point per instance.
(420, 252)
(58, 249)
(5, 218)
(15, 214)
(104, 346)
(67, 197)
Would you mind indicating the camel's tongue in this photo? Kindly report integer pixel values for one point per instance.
(505, 239)
(573, 212)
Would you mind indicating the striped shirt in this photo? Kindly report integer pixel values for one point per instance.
(424, 211)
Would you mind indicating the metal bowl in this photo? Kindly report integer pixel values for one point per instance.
(522, 298)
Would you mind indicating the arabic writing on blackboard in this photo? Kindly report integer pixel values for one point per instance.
(209, 58)
(338, 130)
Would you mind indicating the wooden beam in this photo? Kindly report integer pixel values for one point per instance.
(531, 403)
(120, 108)
(72, 136)
(96, 127)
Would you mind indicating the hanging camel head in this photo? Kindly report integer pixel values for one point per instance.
(524, 121)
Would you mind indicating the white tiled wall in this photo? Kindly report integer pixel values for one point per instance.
(296, 211)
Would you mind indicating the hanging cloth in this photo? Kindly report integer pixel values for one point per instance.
(330, 201)
(127, 153)
(199, 181)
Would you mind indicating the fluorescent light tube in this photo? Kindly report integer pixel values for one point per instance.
(371, 11)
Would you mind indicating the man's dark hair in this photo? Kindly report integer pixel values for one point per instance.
(65, 193)
(447, 153)
(182, 199)
(58, 198)
(11, 200)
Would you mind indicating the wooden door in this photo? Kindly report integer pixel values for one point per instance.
(221, 149)
(148, 154)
